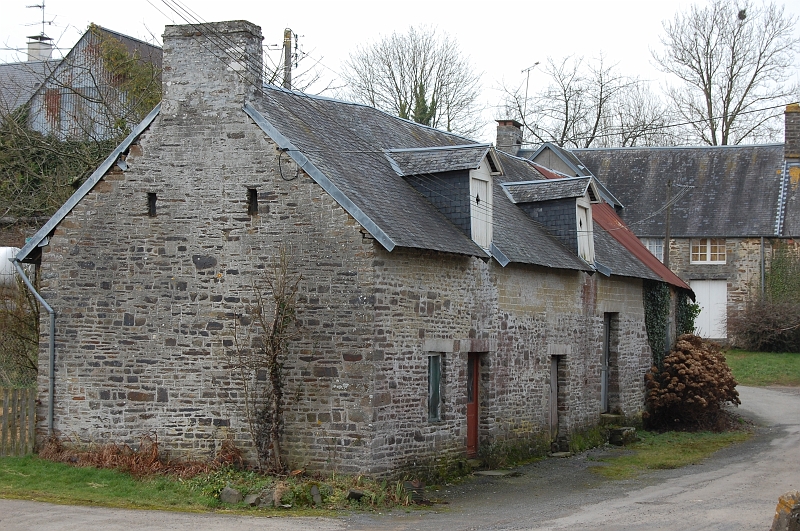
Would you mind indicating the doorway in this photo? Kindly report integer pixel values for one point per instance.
(473, 417)
(554, 397)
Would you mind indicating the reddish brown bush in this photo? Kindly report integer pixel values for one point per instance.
(688, 392)
(147, 460)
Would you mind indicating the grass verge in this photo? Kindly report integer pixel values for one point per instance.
(32, 478)
(760, 369)
(658, 451)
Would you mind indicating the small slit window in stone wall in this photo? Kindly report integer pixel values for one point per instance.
(252, 201)
(151, 204)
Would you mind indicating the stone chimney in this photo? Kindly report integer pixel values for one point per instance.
(40, 48)
(791, 143)
(509, 136)
(210, 69)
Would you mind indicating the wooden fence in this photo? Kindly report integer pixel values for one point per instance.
(17, 421)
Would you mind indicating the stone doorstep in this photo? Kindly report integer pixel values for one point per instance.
(497, 473)
(560, 454)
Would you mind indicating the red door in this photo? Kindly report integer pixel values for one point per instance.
(473, 376)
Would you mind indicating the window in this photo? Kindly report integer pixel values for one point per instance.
(708, 251)
(252, 201)
(655, 246)
(151, 204)
(434, 387)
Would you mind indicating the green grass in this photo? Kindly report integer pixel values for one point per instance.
(765, 368)
(38, 479)
(659, 451)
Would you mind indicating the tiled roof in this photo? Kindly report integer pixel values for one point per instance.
(418, 161)
(547, 190)
(725, 191)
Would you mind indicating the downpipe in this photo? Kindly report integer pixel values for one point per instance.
(52, 346)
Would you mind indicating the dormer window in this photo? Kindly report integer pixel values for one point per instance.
(480, 204)
(562, 205)
(457, 180)
(585, 230)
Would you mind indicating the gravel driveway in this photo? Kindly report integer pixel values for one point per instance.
(736, 489)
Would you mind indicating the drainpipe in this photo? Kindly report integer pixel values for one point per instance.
(52, 347)
(763, 269)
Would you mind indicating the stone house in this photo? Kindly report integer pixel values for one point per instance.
(730, 208)
(436, 318)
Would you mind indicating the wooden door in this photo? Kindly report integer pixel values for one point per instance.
(553, 398)
(473, 377)
(604, 363)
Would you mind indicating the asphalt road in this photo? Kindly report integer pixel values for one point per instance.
(736, 489)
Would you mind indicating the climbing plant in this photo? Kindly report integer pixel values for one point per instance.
(686, 312)
(656, 316)
(258, 360)
(137, 82)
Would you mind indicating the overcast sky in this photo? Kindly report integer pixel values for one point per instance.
(501, 39)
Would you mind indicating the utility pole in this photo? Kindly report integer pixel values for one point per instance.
(666, 225)
(287, 58)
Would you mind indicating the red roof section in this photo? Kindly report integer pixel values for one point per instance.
(605, 216)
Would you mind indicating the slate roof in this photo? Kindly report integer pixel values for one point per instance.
(578, 169)
(418, 161)
(724, 191)
(342, 146)
(19, 81)
(346, 143)
(547, 190)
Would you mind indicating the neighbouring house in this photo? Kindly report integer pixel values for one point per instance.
(728, 208)
(455, 300)
(95, 91)
(103, 86)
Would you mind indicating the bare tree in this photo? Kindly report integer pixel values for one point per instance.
(588, 104)
(731, 63)
(419, 75)
(258, 357)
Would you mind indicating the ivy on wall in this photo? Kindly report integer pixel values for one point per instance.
(686, 312)
(656, 316)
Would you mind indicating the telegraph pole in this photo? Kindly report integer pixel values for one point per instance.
(666, 225)
(287, 58)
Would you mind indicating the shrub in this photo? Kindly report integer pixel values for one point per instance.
(691, 388)
(767, 326)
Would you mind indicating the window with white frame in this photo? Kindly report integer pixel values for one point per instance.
(655, 246)
(708, 251)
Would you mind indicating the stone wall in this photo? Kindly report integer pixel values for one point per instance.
(152, 309)
(742, 269)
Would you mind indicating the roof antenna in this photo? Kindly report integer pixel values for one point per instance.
(44, 21)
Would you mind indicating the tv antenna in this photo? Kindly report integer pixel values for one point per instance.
(44, 22)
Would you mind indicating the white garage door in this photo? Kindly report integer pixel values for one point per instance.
(712, 296)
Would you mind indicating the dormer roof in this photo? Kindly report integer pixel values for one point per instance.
(551, 189)
(418, 161)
